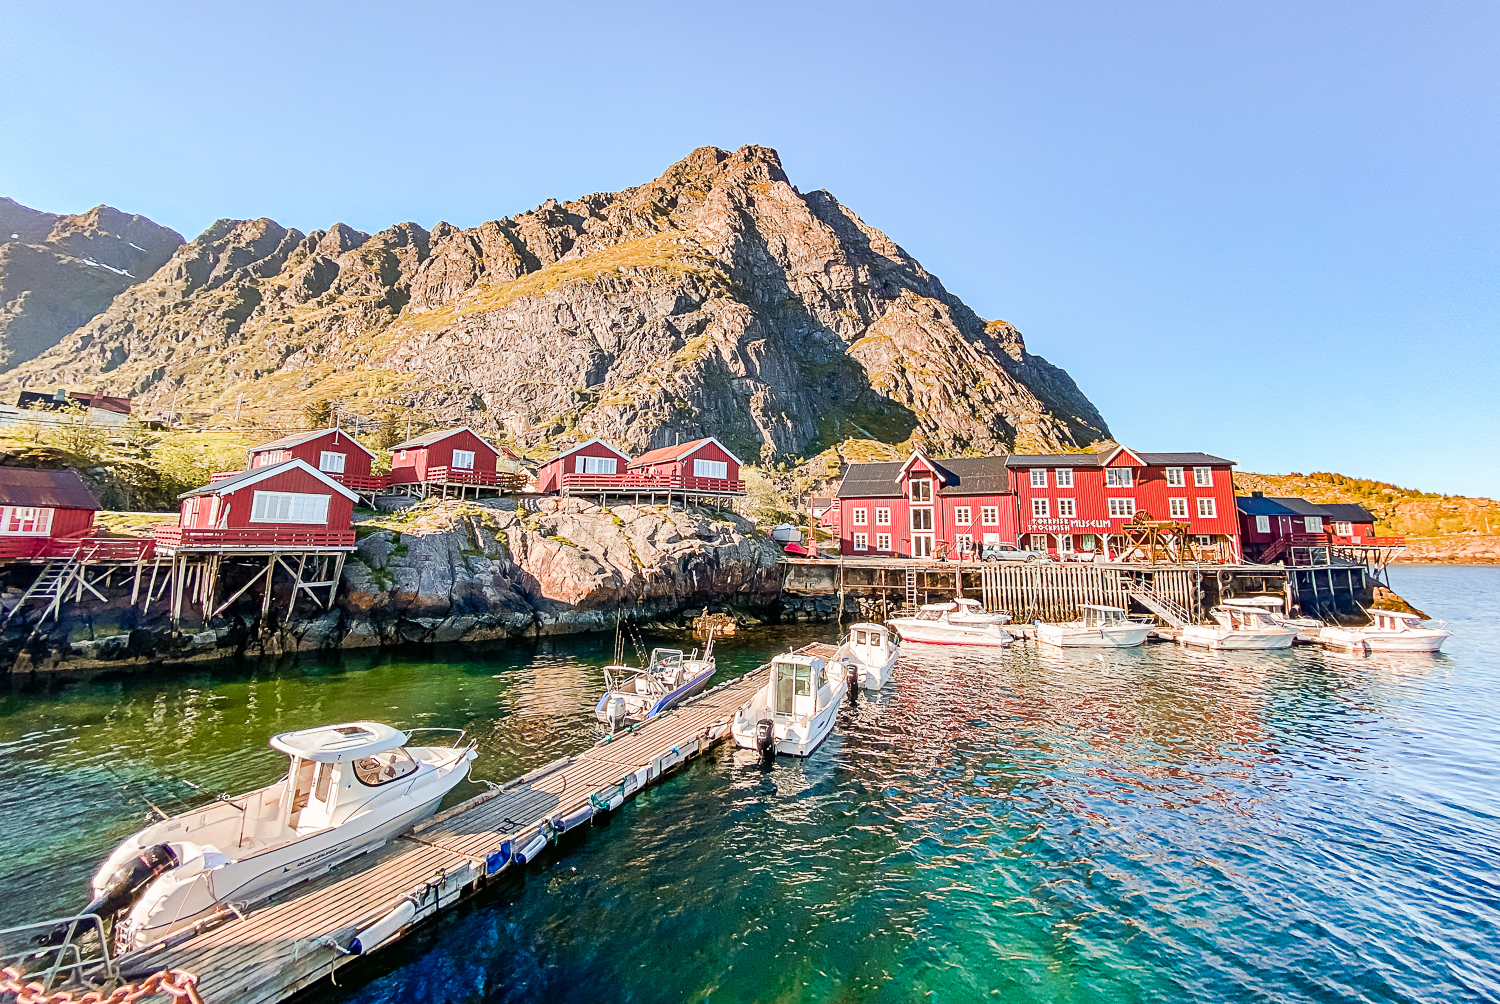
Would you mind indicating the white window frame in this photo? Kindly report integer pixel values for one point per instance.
(1039, 477)
(919, 490)
(25, 521)
(861, 542)
(712, 469)
(1065, 543)
(882, 542)
(596, 465)
(1067, 508)
(1343, 528)
(882, 516)
(1203, 477)
(1064, 477)
(1177, 508)
(332, 463)
(963, 516)
(1174, 477)
(289, 507)
(964, 542)
(1307, 524)
(1208, 508)
(1205, 540)
(1119, 477)
(1038, 542)
(989, 515)
(1262, 524)
(860, 517)
(1121, 507)
(463, 460)
(1041, 508)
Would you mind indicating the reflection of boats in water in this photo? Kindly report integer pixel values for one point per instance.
(794, 712)
(1099, 627)
(959, 622)
(1389, 631)
(635, 695)
(1239, 625)
(868, 655)
(349, 789)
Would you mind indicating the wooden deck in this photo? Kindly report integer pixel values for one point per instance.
(303, 935)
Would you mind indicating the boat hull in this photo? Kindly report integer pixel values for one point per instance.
(1068, 636)
(1409, 642)
(665, 702)
(936, 633)
(1237, 641)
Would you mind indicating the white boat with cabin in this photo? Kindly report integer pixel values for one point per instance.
(1239, 625)
(1308, 628)
(794, 712)
(1390, 631)
(1098, 627)
(635, 695)
(868, 655)
(959, 622)
(349, 789)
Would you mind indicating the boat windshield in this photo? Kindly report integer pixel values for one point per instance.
(665, 658)
(383, 768)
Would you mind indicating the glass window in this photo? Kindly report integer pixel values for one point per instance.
(711, 469)
(965, 543)
(804, 680)
(1039, 477)
(595, 465)
(921, 519)
(990, 515)
(1344, 529)
(1064, 477)
(1262, 524)
(861, 542)
(1040, 508)
(463, 460)
(288, 507)
(963, 516)
(1205, 540)
(1178, 508)
(882, 542)
(882, 517)
(1121, 508)
(383, 768)
(1313, 524)
(1174, 477)
(331, 463)
(786, 673)
(1038, 542)
(1203, 477)
(1067, 508)
(1118, 477)
(1065, 543)
(1207, 508)
(26, 521)
(861, 517)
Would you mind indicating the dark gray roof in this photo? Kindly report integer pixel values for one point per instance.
(1348, 512)
(63, 489)
(961, 476)
(1095, 459)
(1259, 505)
(1266, 506)
(215, 487)
(1186, 459)
(295, 439)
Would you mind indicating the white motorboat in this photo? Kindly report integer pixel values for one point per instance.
(1308, 628)
(868, 655)
(960, 622)
(634, 695)
(1099, 627)
(794, 712)
(350, 788)
(1389, 631)
(1239, 625)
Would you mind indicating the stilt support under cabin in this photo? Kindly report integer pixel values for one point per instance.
(195, 578)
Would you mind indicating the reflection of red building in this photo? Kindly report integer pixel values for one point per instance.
(915, 508)
(1079, 502)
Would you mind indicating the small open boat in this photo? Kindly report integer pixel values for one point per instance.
(1239, 625)
(868, 654)
(1389, 631)
(958, 622)
(634, 695)
(350, 788)
(794, 712)
(1099, 627)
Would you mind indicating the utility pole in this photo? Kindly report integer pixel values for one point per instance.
(238, 400)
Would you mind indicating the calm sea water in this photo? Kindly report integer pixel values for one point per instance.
(1028, 826)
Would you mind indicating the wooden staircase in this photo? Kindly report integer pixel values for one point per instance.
(1159, 605)
(49, 586)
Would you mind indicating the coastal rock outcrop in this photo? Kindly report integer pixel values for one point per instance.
(715, 300)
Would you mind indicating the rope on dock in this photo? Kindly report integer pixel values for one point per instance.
(179, 983)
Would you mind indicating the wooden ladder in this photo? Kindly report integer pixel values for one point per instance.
(911, 587)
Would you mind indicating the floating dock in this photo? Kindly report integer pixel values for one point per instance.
(308, 932)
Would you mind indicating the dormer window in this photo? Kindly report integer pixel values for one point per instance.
(1118, 477)
(921, 490)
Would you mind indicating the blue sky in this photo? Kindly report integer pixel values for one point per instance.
(1264, 230)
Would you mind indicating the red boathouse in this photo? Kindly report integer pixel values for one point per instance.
(581, 466)
(703, 465)
(290, 505)
(332, 451)
(42, 511)
(458, 458)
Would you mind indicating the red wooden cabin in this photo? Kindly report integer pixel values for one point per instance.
(1080, 502)
(923, 506)
(586, 465)
(1280, 529)
(43, 513)
(285, 505)
(332, 451)
(452, 457)
(702, 465)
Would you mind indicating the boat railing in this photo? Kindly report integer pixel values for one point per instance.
(78, 953)
(436, 728)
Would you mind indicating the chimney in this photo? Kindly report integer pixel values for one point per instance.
(1257, 495)
(61, 396)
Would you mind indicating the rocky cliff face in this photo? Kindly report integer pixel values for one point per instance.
(59, 272)
(715, 300)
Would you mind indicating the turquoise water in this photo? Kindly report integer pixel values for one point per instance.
(1027, 826)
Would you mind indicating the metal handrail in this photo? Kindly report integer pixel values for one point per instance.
(37, 948)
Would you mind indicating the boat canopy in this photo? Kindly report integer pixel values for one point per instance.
(1256, 602)
(339, 743)
(1410, 618)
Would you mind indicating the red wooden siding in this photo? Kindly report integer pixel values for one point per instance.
(549, 477)
(411, 465)
(233, 510)
(356, 460)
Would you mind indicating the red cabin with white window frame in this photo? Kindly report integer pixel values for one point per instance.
(1283, 529)
(703, 465)
(332, 451)
(924, 507)
(452, 456)
(585, 466)
(1078, 503)
(43, 513)
(285, 505)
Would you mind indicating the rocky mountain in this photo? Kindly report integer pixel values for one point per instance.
(58, 272)
(715, 300)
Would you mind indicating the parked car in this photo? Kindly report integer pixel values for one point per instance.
(1010, 552)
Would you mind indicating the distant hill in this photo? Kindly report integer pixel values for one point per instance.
(1449, 529)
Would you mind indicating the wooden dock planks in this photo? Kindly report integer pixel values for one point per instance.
(288, 943)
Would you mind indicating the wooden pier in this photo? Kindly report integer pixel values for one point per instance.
(308, 932)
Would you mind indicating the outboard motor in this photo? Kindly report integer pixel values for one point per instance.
(615, 711)
(765, 737)
(122, 888)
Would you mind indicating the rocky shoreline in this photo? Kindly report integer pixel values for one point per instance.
(449, 571)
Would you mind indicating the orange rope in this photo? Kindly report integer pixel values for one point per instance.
(179, 983)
